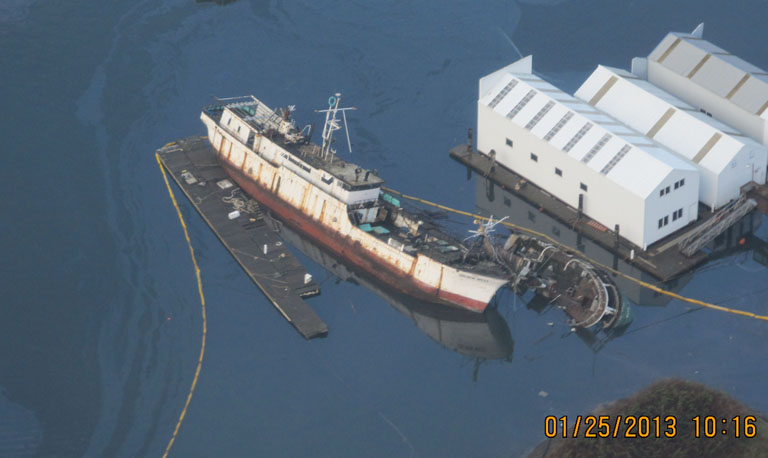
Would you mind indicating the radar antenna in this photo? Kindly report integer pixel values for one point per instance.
(332, 124)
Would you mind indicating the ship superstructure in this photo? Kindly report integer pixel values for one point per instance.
(341, 206)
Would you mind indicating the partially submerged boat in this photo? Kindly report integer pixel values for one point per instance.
(341, 206)
(587, 295)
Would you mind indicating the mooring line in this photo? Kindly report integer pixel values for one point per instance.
(202, 306)
(603, 266)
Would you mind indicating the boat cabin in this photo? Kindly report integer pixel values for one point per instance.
(250, 121)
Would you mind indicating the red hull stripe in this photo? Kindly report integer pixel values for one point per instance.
(343, 247)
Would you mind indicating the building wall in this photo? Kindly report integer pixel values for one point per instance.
(684, 134)
(722, 109)
(684, 198)
(741, 170)
(604, 200)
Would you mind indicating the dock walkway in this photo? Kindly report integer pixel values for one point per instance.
(255, 246)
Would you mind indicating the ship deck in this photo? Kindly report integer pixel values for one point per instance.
(254, 245)
(430, 241)
(351, 174)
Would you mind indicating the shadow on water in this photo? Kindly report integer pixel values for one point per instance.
(480, 336)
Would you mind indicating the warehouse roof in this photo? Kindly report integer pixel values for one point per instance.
(586, 134)
(715, 69)
(665, 118)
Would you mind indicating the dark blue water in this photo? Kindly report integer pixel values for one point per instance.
(101, 321)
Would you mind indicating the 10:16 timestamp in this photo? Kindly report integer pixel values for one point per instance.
(710, 426)
(630, 426)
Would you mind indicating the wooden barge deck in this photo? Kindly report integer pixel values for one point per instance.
(258, 249)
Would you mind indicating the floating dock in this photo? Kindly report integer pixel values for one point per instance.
(238, 222)
(663, 260)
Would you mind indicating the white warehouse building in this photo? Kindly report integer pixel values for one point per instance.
(710, 78)
(726, 159)
(570, 148)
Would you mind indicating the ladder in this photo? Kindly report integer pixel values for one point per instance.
(716, 225)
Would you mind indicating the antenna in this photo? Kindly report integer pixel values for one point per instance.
(332, 125)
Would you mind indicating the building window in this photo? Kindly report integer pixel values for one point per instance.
(558, 126)
(677, 214)
(238, 129)
(667, 190)
(521, 104)
(583, 186)
(572, 142)
(682, 182)
(507, 202)
(544, 110)
(229, 120)
(509, 143)
(666, 220)
(677, 184)
(558, 172)
(534, 158)
(661, 222)
(504, 91)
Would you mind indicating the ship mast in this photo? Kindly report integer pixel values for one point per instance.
(332, 124)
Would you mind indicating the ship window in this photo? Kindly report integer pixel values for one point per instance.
(558, 172)
(510, 143)
(583, 186)
(534, 158)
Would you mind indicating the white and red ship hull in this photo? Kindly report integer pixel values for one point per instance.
(324, 218)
